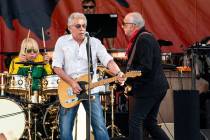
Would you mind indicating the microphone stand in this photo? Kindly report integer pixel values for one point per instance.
(88, 115)
(193, 63)
(193, 82)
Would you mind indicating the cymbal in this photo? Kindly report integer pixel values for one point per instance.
(31, 63)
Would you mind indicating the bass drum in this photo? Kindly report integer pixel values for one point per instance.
(12, 119)
(51, 122)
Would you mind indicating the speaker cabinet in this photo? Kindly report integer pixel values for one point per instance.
(186, 115)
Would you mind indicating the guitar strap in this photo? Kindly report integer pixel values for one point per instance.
(91, 63)
(134, 50)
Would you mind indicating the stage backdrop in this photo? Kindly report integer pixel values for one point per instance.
(181, 21)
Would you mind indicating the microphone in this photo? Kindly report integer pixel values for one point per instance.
(87, 34)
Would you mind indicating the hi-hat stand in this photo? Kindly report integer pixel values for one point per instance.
(29, 86)
(30, 102)
(3, 83)
(115, 131)
(29, 108)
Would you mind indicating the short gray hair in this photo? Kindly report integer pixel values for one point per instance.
(136, 18)
(76, 15)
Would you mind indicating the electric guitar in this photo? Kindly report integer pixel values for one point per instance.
(68, 99)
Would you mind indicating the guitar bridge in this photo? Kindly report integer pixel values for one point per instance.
(71, 100)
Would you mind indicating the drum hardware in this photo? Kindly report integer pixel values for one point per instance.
(30, 124)
(16, 84)
(29, 80)
(50, 121)
(3, 83)
(31, 100)
(36, 133)
(127, 89)
(53, 130)
(105, 106)
(107, 92)
(114, 129)
(36, 98)
(35, 129)
(104, 95)
(50, 84)
(104, 91)
(29, 63)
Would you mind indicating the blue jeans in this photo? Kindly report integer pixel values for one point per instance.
(67, 117)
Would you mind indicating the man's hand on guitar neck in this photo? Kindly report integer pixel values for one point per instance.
(121, 78)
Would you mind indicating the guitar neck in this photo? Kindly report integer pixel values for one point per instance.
(100, 83)
(104, 81)
(112, 79)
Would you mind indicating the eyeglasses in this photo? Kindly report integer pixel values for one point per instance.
(88, 7)
(126, 23)
(31, 50)
(78, 26)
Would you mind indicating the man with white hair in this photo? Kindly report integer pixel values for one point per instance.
(143, 53)
(70, 61)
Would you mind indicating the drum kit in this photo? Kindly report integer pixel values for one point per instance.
(27, 114)
(33, 115)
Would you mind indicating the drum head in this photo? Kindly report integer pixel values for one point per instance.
(50, 84)
(12, 119)
(16, 85)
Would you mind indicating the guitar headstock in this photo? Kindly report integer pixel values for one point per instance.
(133, 73)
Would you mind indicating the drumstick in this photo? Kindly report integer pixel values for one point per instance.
(29, 31)
(43, 38)
(28, 35)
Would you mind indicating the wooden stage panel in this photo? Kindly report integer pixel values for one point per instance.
(176, 81)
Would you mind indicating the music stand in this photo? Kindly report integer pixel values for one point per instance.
(102, 25)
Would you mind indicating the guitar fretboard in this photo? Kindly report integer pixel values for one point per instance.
(112, 79)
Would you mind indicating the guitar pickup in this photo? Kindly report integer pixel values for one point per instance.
(69, 92)
(71, 100)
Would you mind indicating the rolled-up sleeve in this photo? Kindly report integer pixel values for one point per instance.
(58, 55)
(103, 55)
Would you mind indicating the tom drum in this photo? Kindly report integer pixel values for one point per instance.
(50, 84)
(16, 84)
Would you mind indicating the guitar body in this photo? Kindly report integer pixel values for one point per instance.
(68, 99)
(65, 93)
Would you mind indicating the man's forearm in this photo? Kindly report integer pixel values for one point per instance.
(113, 67)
